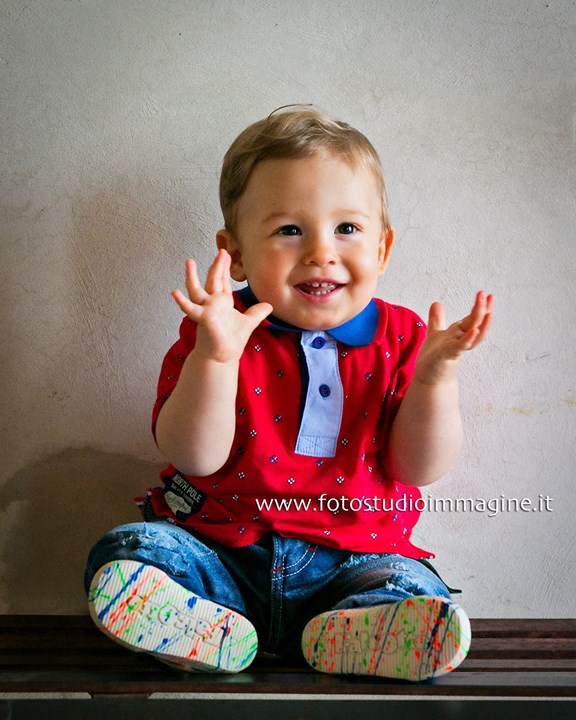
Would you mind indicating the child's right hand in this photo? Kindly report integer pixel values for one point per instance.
(222, 331)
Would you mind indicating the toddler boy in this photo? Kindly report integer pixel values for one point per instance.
(299, 415)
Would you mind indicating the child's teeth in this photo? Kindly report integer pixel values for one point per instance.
(321, 288)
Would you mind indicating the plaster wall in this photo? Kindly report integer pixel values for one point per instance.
(114, 120)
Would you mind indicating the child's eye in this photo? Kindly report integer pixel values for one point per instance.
(346, 229)
(289, 230)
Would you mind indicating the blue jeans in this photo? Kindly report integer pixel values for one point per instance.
(278, 583)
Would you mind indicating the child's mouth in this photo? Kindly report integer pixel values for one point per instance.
(318, 288)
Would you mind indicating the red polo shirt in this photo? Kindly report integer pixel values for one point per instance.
(339, 493)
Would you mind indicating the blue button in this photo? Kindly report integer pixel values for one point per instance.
(324, 390)
(318, 342)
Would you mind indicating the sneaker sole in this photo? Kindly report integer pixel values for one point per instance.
(416, 639)
(141, 608)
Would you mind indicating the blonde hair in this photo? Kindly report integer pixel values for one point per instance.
(294, 133)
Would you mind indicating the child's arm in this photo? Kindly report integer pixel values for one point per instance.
(426, 434)
(195, 428)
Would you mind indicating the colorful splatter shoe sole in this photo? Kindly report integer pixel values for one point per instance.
(416, 639)
(141, 608)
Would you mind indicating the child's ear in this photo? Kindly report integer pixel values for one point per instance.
(226, 241)
(384, 249)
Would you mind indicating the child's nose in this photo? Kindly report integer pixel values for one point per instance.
(319, 250)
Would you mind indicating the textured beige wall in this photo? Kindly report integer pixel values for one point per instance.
(114, 120)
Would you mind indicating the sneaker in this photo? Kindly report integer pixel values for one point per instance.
(141, 608)
(416, 639)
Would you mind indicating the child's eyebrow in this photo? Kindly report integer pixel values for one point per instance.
(276, 215)
(344, 212)
(356, 213)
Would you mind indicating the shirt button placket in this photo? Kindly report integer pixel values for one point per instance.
(322, 415)
(319, 343)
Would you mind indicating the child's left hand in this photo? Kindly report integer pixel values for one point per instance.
(440, 353)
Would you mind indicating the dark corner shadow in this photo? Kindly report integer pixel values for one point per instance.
(65, 502)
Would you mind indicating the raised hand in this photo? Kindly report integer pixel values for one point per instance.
(439, 355)
(223, 331)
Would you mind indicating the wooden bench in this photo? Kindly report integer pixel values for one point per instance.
(50, 666)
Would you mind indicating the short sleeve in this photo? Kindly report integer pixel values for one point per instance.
(405, 334)
(172, 366)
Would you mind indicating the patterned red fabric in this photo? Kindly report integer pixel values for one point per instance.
(262, 465)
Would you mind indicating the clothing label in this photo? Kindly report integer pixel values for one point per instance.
(182, 497)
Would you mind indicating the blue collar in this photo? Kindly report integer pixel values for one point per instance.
(359, 330)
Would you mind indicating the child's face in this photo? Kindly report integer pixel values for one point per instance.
(309, 239)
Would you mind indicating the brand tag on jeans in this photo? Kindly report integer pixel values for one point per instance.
(182, 497)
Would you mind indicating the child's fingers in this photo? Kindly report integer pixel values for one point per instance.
(476, 333)
(226, 278)
(471, 321)
(194, 288)
(189, 308)
(258, 312)
(481, 307)
(489, 304)
(479, 310)
(218, 278)
(436, 317)
(211, 276)
(482, 330)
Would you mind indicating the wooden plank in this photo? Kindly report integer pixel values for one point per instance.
(521, 647)
(463, 684)
(53, 625)
(524, 627)
(92, 641)
(296, 709)
(510, 658)
(123, 658)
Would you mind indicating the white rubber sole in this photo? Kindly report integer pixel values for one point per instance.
(141, 608)
(416, 639)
